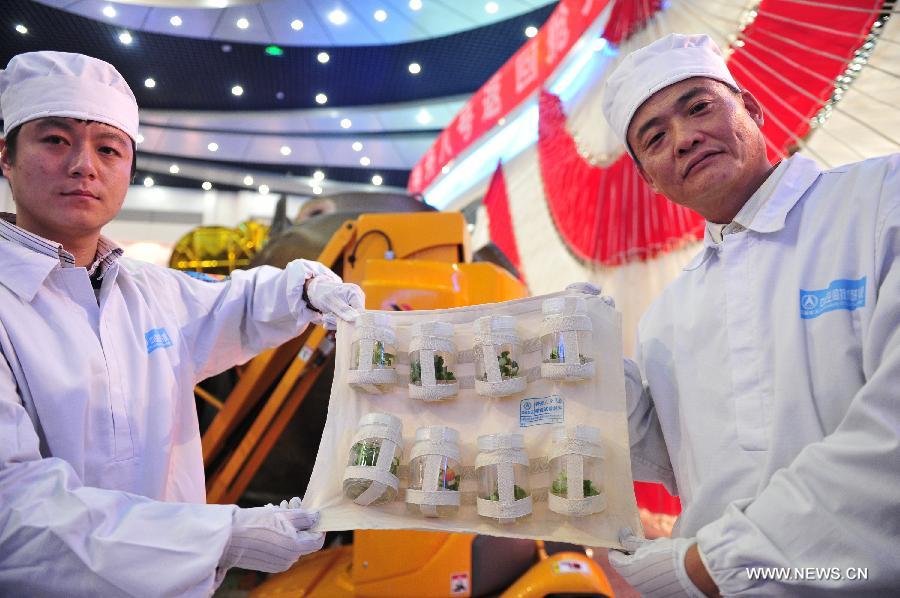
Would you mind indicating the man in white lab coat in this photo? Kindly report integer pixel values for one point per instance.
(771, 365)
(101, 476)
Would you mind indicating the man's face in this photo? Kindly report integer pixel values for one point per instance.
(699, 143)
(68, 177)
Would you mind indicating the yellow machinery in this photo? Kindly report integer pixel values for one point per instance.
(402, 262)
(217, 249)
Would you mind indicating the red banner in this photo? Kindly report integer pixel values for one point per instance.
(521, 76)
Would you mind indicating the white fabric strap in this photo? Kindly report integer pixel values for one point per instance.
(367, 379)
(574, 322)
(573, 446)
(438, 392)
(366, 354)
(439, 498)
(503, 388)
(431, 343)
(426, 363)
(380, 474)
(575, 476)
(577, 508)
(507, 508)
(435, 447)
(567, 371)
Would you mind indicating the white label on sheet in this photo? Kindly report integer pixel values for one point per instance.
(538, 411)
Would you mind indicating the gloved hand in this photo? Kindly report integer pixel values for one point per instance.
(589, 288)
(269, 539)
(328, 294)
(656, 567)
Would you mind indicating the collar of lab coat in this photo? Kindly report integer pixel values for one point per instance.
(23, 270)
(801, 173)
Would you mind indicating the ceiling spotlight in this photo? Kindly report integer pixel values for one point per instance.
(415, 68)
(346, 123)
(226, 48)
(318, 176)
(531, 31)
(125, 38)
(365, 161)
(140, 138)
(22, 29)
(377, 180)
(175, 20)
(357, 146)
(321, 98)
(148, 181)
(380, 16)
(415, 4)
(237, 90)
(317, 190)
(296, 24)
(279, 95)
(206, 185)
(337, 16)
(423, 117)
(109, 11)
(264, 189)
(174, 169)
(285, 150)
(242, 23)
(213, 146)
(491, 8)
(150, 82)
(248, 180)
(323, 57)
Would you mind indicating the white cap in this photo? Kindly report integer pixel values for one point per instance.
(562, 305)
(493, 442)
(380, 419)
(647, 70)
(40, 84)
(437, 434)
(495, 324)
(441, 329)
(376, 319)
(579, 432)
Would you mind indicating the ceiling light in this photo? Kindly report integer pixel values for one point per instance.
(531, 31)
(226, 48)
(296, 24)
(318, 176)
(174, 169)
(125, 38)
(22, 29)
(357, 146)
(285, 150)
(423, 117)
(317, 190)
(323, 57)
(109, 11)
(415, 68)
(248, 180)
(150, 82)
(175, 20)
(337, 16)
(279, 95)
(237, 90)
(274, 51)
(148, 181)
(242, 23)
(346, 123)
(213, 146)
(491, 8)
(140, 138)
(264, 189)
(377, 180)
(365, 161)
(206, 185)
(321, 98)
(380, 16)
(415, 4)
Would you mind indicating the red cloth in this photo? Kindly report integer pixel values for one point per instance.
(499, 219)
(655, 498)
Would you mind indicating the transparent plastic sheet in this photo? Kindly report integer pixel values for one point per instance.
(599, 402)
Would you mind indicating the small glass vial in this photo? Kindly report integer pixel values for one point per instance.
(502, 469)
(566, 340)
(370, 477)
(373, 354)
(432, 362)
(576, 471)
(498, 354)
(434, 473)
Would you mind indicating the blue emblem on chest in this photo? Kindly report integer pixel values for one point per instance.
(841, 294)
(157, 338)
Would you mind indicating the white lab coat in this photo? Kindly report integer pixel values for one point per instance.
(774, 386)
(101, 475)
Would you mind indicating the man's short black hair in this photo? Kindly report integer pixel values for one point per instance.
(13, 138)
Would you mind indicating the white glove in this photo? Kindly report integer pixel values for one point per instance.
(589, 288)
(269, 539)
(332, 297)
(656, 567)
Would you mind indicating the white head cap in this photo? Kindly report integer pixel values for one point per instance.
(40, 84)
(647, 70)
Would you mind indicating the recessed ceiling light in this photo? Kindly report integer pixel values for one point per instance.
(337, 16)
(377, 180)
(264, 189)
(365, 161)
(206, 185)
(317, 190)
(346, 123)
(357, 146)
(415, 4)
(109, 11)
(319, 176)
(148, 181)
(22, 29)
(226, 48)
(321, 98)
(380, 16)
(175, 20)
(174, 169)
(423, 117)
(213, 146)
(491, 7)
(237, 90)
(285, 150)
(279, 95)
(242, 23)
(323, 57)
(139, 138)
(531, 31)
(150, 82)
(125, 38)
(296, 24)
(415, 68)
(248, 180)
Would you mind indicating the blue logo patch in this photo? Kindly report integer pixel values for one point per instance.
(205, 277)
(840, 294)
(540, 411)
(157, 338)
